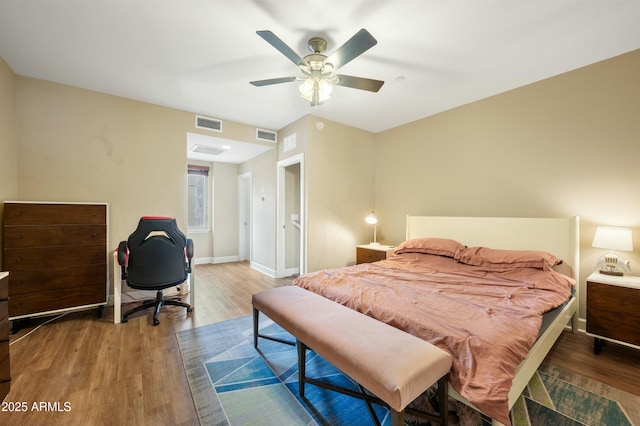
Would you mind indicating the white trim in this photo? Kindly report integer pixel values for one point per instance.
(281, 220)
(242, 199)
(291, 272)
(214, 260)
(225, 259)
(260, 268)
(60, 311)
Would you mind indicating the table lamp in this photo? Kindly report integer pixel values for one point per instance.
(613, 239)
(371, 219)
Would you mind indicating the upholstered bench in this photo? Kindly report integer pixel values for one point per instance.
(393, 365)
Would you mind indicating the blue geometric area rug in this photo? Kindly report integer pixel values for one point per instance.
(234, 384)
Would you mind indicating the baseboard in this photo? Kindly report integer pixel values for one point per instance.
(221, 259)
(291, 272)
(582, 325)
(267, 271)
(225, 259)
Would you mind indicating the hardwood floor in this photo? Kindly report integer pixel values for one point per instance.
(88, 371)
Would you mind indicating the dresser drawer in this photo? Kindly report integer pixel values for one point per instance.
(365, 254)
(4, 336)
(612, 312)
(43, 301)
(5, 376)
(24, 259)
(4, 312)
(368, 256)
(54, 214)
(59, 277)
(20, 236)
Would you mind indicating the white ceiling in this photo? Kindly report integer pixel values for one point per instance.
(199, 56)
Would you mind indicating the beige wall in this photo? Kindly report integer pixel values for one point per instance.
(565, 146)
(339, 164)
(83, 146)
(8, 139)
(225, 211)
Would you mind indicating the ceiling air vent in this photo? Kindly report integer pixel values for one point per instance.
(210, 150)
(266, 135)
(208, 123)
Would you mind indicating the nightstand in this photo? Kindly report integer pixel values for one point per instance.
(368, 253)
(613, 310)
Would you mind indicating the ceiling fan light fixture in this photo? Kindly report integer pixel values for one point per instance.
(316, 89)
(318, 81)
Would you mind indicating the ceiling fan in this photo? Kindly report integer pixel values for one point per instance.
(317, 67)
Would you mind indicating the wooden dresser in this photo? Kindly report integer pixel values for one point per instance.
(5, 375)
(57, 256)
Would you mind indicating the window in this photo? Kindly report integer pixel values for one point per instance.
(198, 197)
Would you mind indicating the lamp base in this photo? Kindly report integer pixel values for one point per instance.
(374, 244)
(614, 273)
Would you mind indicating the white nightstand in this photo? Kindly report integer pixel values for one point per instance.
(613, 310)
(368, 253)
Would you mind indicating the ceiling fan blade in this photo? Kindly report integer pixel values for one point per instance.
(358, 82)
(282, 47)
(259, 83)
(354, 47)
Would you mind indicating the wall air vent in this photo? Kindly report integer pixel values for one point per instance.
(266, 135)
(210, 150)
(208, 123)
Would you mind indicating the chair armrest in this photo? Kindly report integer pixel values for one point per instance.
(122, 253)
(122, 258)
(189, 250)
(189, 253)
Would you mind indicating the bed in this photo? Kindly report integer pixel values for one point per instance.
(424, 298)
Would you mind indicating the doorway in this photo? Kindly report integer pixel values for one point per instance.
(292, 220)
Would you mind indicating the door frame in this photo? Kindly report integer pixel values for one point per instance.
(245, 234)
(282, 220)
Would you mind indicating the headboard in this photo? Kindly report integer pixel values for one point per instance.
(559, 236)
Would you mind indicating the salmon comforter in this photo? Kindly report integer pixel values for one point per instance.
(487, 320)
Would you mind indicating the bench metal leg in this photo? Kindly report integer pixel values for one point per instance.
(256, 314)
(302, 366)
(256, 333)
(397, 417)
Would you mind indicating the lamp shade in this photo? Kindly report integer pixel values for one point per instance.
(613, 238)
(371, 219)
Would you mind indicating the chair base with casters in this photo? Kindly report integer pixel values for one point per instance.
(158, 302)
(156, 256)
